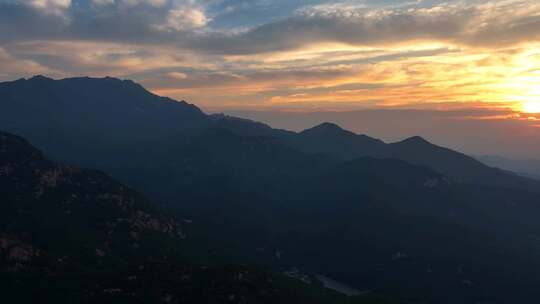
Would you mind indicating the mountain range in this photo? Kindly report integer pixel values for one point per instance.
(409, 219)
(95, 120)
(71, 235)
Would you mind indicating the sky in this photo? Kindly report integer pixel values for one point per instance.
(478, 56)
(463, 130)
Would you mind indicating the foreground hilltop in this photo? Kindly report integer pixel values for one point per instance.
(76, 214)
(70, 235)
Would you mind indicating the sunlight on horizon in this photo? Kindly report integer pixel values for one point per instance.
(320, 58)
(532, 106)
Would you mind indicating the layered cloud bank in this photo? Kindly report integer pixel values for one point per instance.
(295, 55)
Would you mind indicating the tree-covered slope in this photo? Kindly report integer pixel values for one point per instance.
(70, 235)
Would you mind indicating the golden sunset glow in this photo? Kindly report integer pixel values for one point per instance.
(466, 72)
(532, 106)
(327, 55)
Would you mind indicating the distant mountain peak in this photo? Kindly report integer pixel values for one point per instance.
(327, 128)
(40, 78)
(415, 140)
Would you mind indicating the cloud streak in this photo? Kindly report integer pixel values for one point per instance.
(345, 54)
(173, 22)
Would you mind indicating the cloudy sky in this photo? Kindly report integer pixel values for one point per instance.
(291, 55)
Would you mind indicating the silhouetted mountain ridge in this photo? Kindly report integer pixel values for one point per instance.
(415, 140)
(325, 200)
(327, 128)
(114, 116)
(331, 139)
